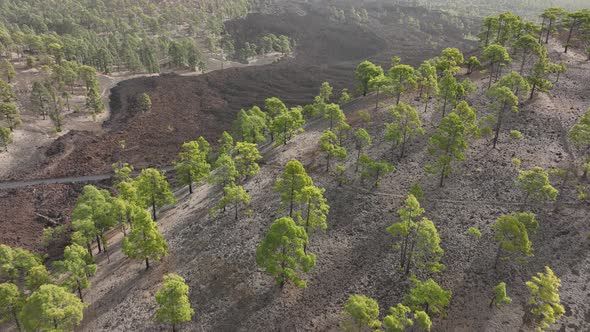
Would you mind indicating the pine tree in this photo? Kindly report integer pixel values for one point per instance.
(192, 165)
(153, 189)
(398, 319)
(291, 184)
(314, 211)
(173, 302)
(428, 82)
(448, 90)
(429, 296)
(403, 77)
(365, 71)
(40, 99)
(380, 83)
(52, 308)
(472, 64)
(329, 145)
(144, 103)
(447, 145)
(498, 57)
(287, 124)
(374, 169)
(449, 61)
(500, 296)
(360, 312)
(405, 125)
(512, 235)
(144, 241)
(6, 138)
(535, 183)
(419, 240)
(226, 144)
(282, 254)
(503, 100)
(334, 114)
(94, 206)
(362, 139)
(246, 159)
(78, 266)
(233, 195)
(7, 70)
(545, 301)
(11, 302)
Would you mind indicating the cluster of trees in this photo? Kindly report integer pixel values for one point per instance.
(427, 298)
(266, 44)
(112, 34)
(352, 14)
(283, 253)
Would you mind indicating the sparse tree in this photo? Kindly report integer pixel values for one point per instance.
(498, 57)
(379, 83)
(500, 296)
(52, 308)
(144, 241)
(291, 184)
(405, 125)
(512, 235)
(225, 171)
(374, 169)
(362, 139)
(428, 82)
(399, 319)
(360, 313)
(94, 206)
(233, 195)
(173, 303)
(226, 144)
(447, 145)
(6, 138)
(503, 99)
(449, 61)
(329, 145)
(144, 103)
(403, 77)
(246, 159)
(472, 64)
(282, 253)
(78, 266)
(192, 165)
(287, 124)
(11, 302)
(535, 183)
(153, 189)
(545, 301)
(40, 99)
(314, 211)
(428, 296)
(7, 70)
(365, 71)
(326, 92)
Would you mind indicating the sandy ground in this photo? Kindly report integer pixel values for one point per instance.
(229, 293)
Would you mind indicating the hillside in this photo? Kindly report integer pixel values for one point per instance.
(406, 178)
(230, 293)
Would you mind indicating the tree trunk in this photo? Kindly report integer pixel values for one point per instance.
(328, 162)
(524, 54)
(147, 263)
(499, 125)
(16, 321)
(377, 101)
(491, 75)
(291, 196)
(548, 31)
(154, 208)
(173, 327)
(497, 256)
(236, 207)
(358, 157)
(442, 176)
(542, 27)
(402, 261)
(533, 91)
(488, 35)
(307, 224)
(190, 184)
(569, 36)
(98, 243)
(80, 290)
(399, 96)
(89, 248)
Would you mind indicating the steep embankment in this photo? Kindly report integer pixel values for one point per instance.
(230, 293)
